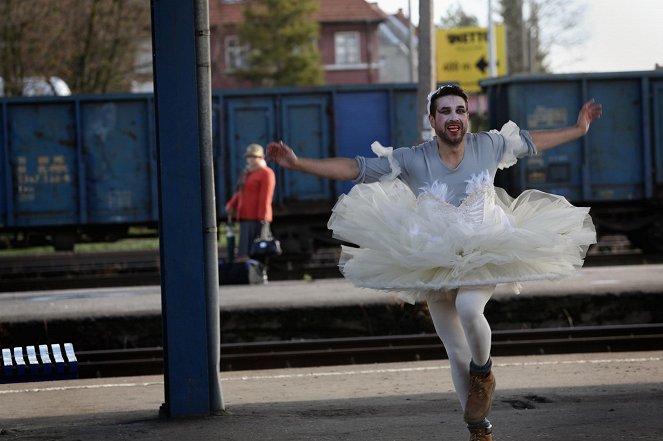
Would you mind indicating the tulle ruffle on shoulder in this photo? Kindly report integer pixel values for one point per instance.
(414, 245)
(511, 133)
(387, 152)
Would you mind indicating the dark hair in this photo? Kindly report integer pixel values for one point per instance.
(445, 90)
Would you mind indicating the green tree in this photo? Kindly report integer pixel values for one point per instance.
(456, 17)
(281, 37)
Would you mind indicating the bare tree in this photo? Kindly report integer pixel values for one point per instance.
(91, 44)
(559, 26)
(512, 15)
(536, 27)
(29, 38)
(108, 34)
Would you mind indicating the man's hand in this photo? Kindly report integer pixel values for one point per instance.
(545, 139)
(588, 113)
(282, 154)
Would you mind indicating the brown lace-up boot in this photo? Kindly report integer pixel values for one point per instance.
(479, 398)
(482, 434)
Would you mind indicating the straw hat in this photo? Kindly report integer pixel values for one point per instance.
(254, 150)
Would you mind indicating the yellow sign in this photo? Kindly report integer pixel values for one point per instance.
(462, 55)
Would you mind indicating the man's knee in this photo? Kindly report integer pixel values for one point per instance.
(470, 303)
(470, 306)
(469, 313)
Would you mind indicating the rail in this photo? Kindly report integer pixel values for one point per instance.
(286, 354)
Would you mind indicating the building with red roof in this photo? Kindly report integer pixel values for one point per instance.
(348, 43)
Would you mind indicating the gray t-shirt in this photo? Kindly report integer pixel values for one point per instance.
(421, 165)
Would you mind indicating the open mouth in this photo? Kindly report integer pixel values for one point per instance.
(454, 129)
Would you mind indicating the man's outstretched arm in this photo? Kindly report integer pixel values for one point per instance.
(330, 168)
(545, 139)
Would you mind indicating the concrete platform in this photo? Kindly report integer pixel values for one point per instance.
(127, 317)
(139, 301)
(612, 397)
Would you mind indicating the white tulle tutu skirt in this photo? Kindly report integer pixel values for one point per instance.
(416, 246)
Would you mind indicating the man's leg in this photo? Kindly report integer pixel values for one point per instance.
(470, 304)
(448, 328)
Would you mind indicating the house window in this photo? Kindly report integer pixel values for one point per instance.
(346, 46)
(235, 53)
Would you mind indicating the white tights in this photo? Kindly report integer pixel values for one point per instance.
(464, 331)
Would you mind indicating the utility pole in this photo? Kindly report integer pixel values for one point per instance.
(210, 247)
(492, 44)
(427, 80)
(410, 41)
(524, 39)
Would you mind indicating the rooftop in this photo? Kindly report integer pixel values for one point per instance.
(331, 11)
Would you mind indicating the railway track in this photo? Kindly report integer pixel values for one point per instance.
(286, 354)
(133, 268)
(129, 268)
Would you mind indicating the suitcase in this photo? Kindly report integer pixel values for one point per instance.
(248, 272)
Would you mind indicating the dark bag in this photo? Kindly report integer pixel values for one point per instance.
(265, 245)
(249, 272)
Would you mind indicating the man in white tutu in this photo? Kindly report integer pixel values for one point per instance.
(430, 226)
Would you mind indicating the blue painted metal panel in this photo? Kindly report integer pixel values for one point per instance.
(152, 148)
(616, 153)
(116, 142)
(251, 119)
(305, 126)
(550, 105)
(5, 181)
(80, 166)
(646, 132)
(404, 117)
(615, 156)
(657, 110)
(361, 118)
(43, 157)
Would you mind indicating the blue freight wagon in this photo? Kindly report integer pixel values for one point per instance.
(74, 165)
(84, 167)
(617, 169)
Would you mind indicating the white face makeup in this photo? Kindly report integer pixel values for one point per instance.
(451, 119)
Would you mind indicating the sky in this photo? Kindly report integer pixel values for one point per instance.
(613, 35)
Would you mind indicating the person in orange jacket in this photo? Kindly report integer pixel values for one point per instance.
(251, 205)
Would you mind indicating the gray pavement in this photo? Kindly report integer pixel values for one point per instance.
(615, 396)
(609, 396)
